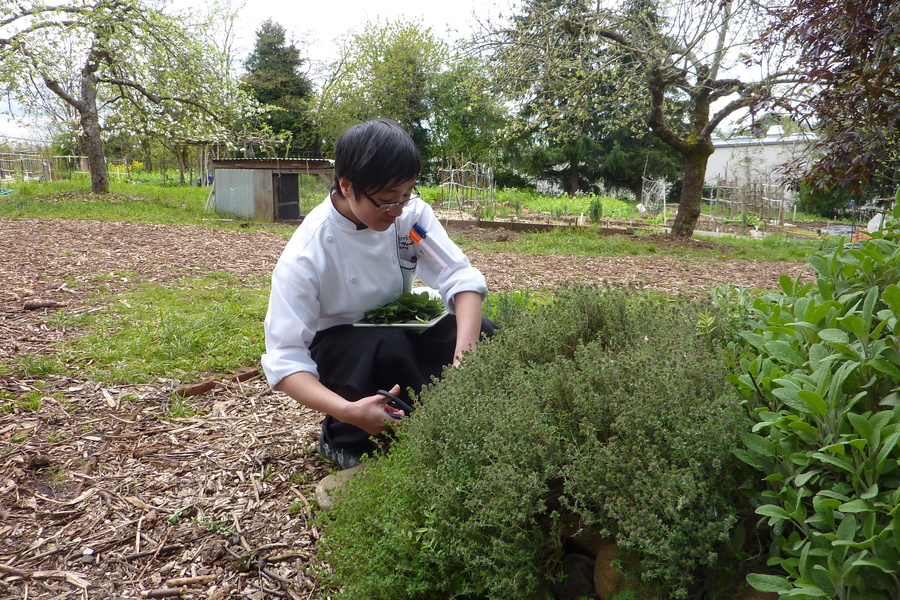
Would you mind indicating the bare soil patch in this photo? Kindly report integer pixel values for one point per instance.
(103, 495)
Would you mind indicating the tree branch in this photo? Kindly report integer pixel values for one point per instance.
(12, 40)
(156, 98)
(38, 10)
(57, 89)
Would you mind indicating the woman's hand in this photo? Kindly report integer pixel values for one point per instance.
(372, 414)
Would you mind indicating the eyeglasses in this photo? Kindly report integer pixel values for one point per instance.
(389, 206)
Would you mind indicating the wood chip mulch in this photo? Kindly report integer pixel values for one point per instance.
(115, 499)
(105, 494)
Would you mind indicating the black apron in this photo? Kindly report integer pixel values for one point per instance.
(355, 362)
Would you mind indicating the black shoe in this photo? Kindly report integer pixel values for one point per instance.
(344, 458)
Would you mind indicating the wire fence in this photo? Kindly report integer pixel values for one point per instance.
(764, 201)
(25, 167)
(466, 186)
(17, 166)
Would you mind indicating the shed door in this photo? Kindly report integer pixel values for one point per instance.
(287, 195)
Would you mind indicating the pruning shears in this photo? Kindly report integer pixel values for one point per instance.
(397, 403)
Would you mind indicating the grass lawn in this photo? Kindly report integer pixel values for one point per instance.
(116, 349)
(150, 203)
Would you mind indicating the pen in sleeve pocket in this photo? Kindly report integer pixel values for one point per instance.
(438, 254)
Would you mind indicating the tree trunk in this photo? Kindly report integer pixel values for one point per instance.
(181, 153)
(148, 156)
(90, 126)
(692, 190)
(573, 177)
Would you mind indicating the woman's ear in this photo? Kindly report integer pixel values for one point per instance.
(346, 187)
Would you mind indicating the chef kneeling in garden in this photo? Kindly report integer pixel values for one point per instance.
(353, 253)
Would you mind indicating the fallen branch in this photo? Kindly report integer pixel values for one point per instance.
(163, 550)
(285, 583)
(164, 592)
(12, 571)
(38, 304)
(73, 578)
(196, 389)
(182, 581)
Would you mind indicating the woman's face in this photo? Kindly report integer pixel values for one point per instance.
(378, 210)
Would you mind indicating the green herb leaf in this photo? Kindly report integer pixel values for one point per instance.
(412, 307)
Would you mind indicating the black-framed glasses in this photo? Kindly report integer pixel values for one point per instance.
(389, 206)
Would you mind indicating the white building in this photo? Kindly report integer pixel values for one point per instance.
(740, 161)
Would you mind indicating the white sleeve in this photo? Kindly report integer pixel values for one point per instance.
(458, 276)
(291, 320)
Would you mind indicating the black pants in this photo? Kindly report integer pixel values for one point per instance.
(355, 362)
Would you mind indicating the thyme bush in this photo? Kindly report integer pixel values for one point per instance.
(602, 406)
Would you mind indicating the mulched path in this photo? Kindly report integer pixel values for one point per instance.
(104, 495)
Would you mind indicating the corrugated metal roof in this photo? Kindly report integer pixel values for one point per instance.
(296, 165)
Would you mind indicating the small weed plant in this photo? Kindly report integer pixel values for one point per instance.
(505, 308)
(601, 406)
(727, 316)
(822, 387)
(180, 408)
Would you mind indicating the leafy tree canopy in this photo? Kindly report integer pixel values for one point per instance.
(115, 61)
(465, 117)
(385, 71)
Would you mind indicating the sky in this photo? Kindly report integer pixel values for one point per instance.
(325, 22)
(317, 26)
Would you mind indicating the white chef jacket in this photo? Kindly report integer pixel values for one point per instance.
(331, 273)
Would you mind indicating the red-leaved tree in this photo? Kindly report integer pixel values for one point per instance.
(848, 52)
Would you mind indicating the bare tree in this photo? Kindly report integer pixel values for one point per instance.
(659, 56)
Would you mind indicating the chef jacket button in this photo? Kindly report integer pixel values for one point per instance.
(397, 296)
(329, 238)
(353, 279)
(394, 259)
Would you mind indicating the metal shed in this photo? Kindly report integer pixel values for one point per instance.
(264, 189)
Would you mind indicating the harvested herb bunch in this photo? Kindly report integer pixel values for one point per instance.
(412, 307)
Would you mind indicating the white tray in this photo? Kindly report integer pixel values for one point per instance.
(420, 327)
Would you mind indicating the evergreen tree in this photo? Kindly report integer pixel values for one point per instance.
(274, 78)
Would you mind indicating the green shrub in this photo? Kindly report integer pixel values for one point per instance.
(595, 210)
(602, 406)
(727, 316)
(831, 204)
(505, 308)
(822, 386)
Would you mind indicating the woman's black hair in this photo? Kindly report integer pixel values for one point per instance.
(375, 154)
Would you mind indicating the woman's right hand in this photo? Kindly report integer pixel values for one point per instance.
(372, 413)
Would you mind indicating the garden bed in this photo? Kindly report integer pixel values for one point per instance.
(103, 493)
